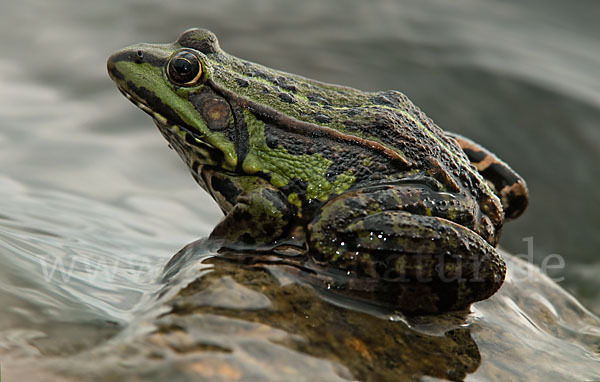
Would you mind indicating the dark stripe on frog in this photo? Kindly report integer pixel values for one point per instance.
(518, 203)
(242, 138)
(508, 185)
(114, 72)
(225, 187)
(490, 167)
(475, 156)
(270, 115)
(499, 175)
(156, 104)
(238, 133)
(511, 188)
(133, 56)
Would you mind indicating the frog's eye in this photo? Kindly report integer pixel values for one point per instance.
(184, 68)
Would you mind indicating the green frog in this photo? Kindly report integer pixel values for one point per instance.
(376, 199)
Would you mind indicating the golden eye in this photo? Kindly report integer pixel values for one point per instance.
(184, 68)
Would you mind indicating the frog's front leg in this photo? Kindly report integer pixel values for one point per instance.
(424, 264)
(256, 213)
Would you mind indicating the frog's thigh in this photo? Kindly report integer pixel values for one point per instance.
(507, 184)
(260, 215)
(400, 247)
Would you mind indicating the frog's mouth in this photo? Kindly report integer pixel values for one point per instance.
(176, 134)
(142, 105)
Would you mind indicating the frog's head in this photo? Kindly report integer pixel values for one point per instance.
(172, 83)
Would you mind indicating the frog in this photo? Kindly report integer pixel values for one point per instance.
(360, 190)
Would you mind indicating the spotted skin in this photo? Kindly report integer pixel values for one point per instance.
(506, 183)
(364, 185)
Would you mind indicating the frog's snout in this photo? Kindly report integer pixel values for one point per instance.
(111, 66)
(129, 55)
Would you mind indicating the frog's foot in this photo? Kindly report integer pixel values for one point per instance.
(424, 264)
(257, 220)
(506, 183)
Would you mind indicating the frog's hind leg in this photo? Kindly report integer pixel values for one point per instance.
(412, 262)
(506, 183)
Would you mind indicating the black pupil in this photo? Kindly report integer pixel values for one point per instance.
(182, 66)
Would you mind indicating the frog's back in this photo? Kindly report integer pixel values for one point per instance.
(377, 135)
(386, 117)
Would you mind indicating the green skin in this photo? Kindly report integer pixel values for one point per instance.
(364, 184)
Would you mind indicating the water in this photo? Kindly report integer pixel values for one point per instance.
(236, 323)
(86, 181)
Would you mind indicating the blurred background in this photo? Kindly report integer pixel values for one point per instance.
(84, 174)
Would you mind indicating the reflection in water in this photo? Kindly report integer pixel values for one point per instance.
(368, 345)
(234, 321)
